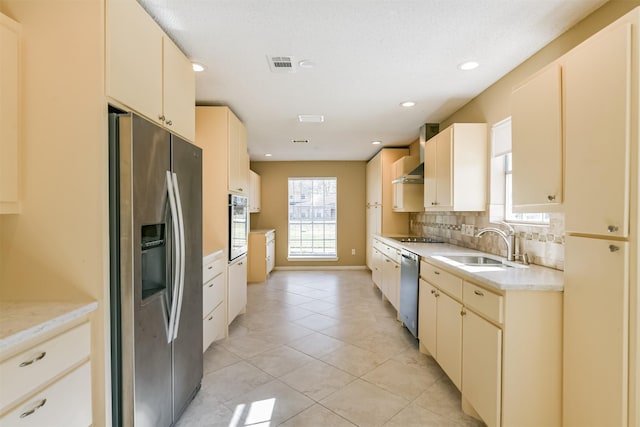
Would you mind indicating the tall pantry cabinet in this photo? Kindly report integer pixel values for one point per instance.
(380, 217)
(601, 78)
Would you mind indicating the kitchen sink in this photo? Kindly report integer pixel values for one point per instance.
(475, 260)
(479, 262)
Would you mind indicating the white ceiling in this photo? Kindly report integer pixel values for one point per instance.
(369, 56)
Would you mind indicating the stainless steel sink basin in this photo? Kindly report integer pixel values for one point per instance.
(476, 260)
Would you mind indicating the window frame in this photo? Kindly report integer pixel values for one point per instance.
(313, 223)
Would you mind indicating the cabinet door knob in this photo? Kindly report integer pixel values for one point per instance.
(31, 411)
(161, 117)
(463, 312)
(614, 248)
(551, 198)
(612, 228)
(34, 360)
(168, 123)
(433, 291)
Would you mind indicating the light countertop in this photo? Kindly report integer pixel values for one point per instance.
(530, 277)
(23, 320)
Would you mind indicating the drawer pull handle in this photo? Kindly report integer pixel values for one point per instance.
(614, 248)
(211, 285)
(612, 228)
(34, 360)
(436, 273)
(34, 409)
(210, 267)
(210, 318)
(433, 291)
(480, 294)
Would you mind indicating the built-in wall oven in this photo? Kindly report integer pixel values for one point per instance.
(238, 225)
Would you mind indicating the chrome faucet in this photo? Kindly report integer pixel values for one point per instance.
(509, 238)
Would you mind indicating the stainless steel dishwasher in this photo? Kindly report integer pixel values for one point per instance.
(409, 272)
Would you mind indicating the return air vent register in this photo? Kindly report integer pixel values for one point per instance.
(281, 64)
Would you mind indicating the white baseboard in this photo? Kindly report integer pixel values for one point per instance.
(313, 267)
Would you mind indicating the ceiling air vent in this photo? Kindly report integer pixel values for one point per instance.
(281, 64)
(300, 141)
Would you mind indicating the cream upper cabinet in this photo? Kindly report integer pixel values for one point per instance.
(455, 169)
(597, 94)
(407, 197)
(146, 71)
(482, 367)
(254, 192)
(596, 288)
(179, 91)
(238, 156)
(9, 115)
(536, 123)
(374, 182)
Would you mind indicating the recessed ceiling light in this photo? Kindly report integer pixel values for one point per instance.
(197, 67)
(376, 142)
(407, 104)
(268, 155)
(306, 63)
(469, 65)
(310, 118)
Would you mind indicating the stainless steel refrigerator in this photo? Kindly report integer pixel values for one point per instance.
(156, 272)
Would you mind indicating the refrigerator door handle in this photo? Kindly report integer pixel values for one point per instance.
(177, 269)
(182, 254)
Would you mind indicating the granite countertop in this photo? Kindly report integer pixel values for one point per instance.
(530, 277)
(23, 320)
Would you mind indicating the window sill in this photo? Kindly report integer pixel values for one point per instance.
(312, 259)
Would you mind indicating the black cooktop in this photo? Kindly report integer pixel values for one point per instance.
(414, 239)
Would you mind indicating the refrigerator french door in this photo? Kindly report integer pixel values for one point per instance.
(156, 272)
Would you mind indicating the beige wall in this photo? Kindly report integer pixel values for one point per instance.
(493, 104)
(57, 248)
(351, 206)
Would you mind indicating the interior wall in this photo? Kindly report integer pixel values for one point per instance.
(57, 247)
(351, 207)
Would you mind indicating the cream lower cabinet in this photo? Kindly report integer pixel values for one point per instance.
(237, 288)
(502, 349)
(261, 255)
(391, 281)
(481, 366)
(214, 296)
(49, 384)
(376, 264)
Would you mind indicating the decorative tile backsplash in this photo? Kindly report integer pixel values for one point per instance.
(543, 243)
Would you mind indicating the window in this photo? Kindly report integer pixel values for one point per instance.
(509, 215)
(501, 208)
(312, 218)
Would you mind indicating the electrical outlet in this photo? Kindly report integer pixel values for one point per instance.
(353, 251)
(463, 229)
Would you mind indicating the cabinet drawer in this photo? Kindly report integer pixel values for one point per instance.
(484, 302)
(213, 326)
(442, 279)
(65, 403)
(212, 268)
(212, 294)
(43, 362)
(393, 253)
(377, 244)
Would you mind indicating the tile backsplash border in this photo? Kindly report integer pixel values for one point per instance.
(543, 243)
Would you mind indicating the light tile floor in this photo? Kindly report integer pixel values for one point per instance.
(321, 348)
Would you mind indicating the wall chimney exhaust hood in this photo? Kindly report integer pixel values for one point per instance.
(416, 176)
